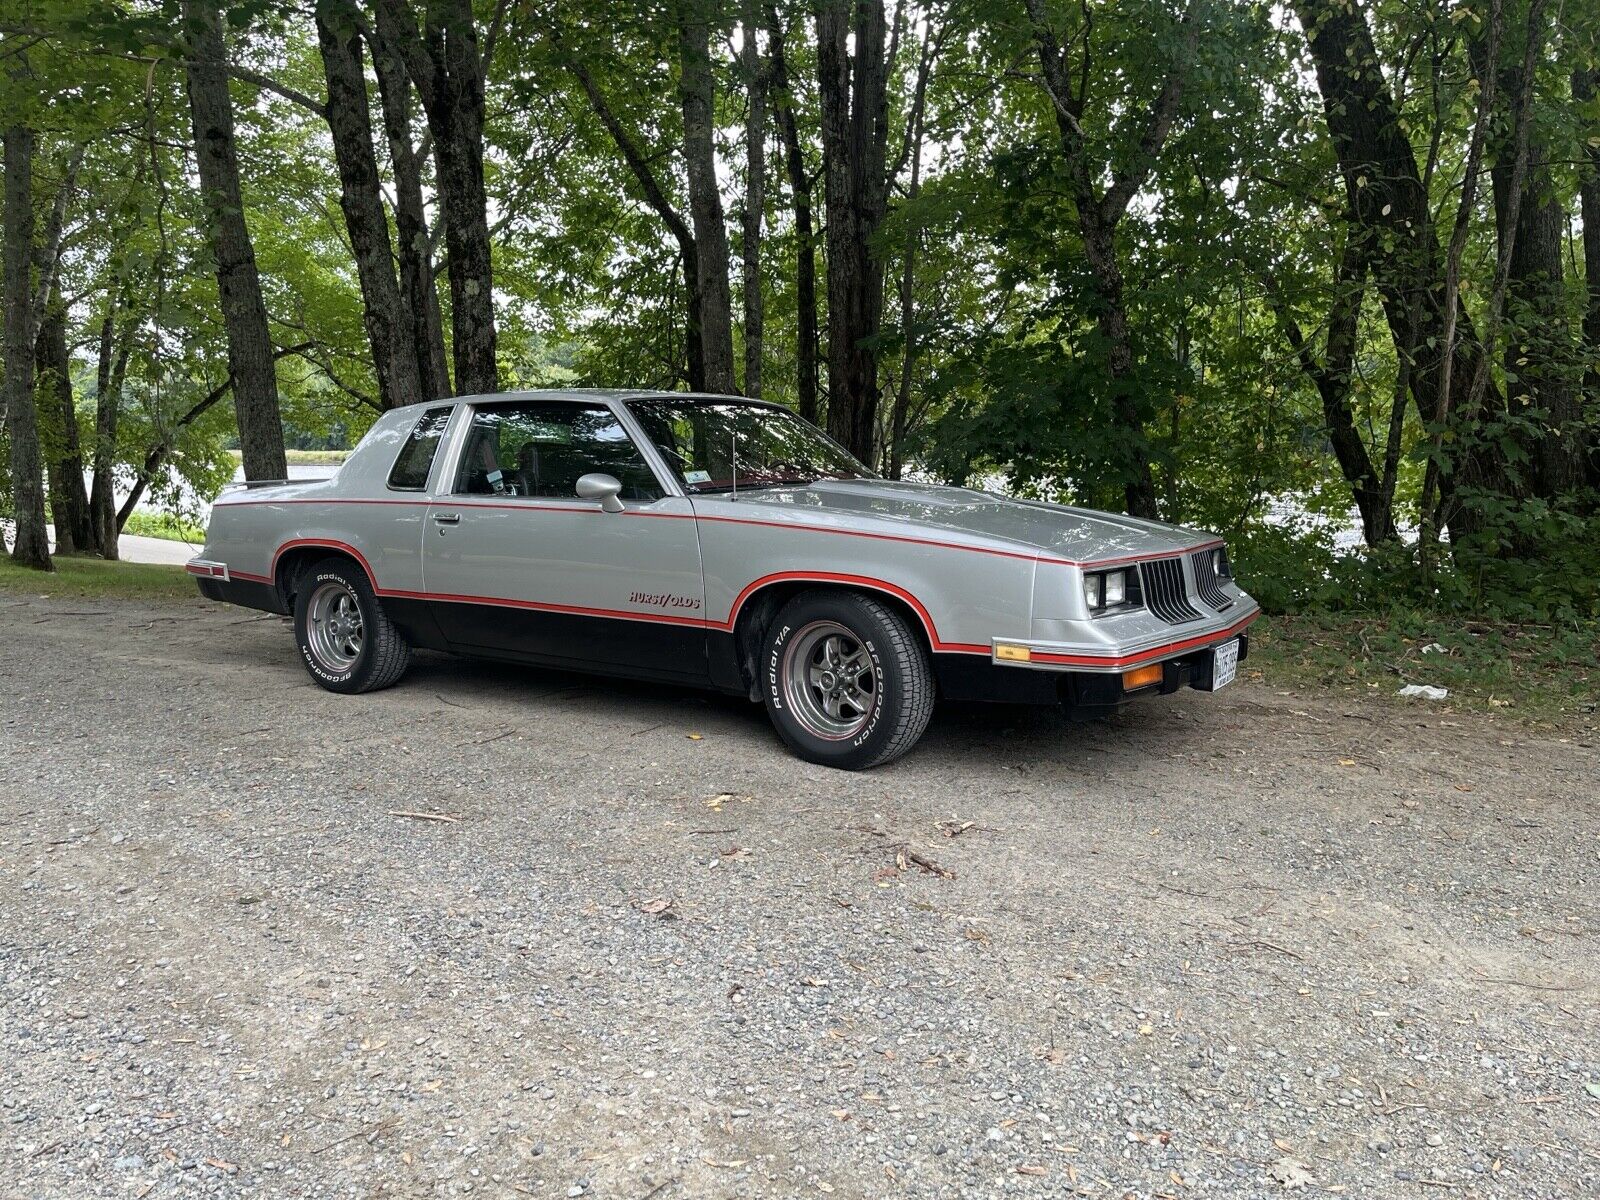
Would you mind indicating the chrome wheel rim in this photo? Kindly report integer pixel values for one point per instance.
(334, 627)
(829, 680)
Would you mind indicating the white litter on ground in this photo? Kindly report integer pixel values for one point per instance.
(1425, 690)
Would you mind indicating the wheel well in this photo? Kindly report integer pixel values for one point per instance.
(762, 605)
(294, 562)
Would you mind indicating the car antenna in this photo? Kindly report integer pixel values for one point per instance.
(733, 456)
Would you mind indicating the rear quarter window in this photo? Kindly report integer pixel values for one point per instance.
(415, 460)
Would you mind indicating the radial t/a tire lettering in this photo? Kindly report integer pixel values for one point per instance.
(846, 679)
(346, 641)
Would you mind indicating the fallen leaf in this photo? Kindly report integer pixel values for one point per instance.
(1291, 1173)
(812, 981)
(1347, 762)
(1032, 1170)
(712, 1162)
(696, 737)
(656, 906)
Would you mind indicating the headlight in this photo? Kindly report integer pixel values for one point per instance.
(1108, 591)
(1220, 563)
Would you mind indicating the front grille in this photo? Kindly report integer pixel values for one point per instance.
(1207, 581)
(1164, 591)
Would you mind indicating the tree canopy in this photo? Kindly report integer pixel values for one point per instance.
(1273, 270)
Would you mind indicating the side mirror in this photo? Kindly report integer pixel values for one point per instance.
(601, 487)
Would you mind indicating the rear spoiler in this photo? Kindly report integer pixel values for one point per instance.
(252, 483)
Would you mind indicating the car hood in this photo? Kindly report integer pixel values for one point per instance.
(1079, 534)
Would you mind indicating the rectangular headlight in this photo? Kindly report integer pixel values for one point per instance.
(1116, 588)
(1110, 591)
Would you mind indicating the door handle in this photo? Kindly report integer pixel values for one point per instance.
(447, 518)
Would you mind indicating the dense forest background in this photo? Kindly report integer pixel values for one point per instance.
(1270, 269)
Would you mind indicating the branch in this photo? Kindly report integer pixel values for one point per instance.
(1126, 183)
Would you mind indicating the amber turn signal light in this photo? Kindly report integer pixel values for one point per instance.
(1008, 653)
(1141, 677)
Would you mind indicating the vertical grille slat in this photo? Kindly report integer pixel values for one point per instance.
(1164, 591)
(1207, 582)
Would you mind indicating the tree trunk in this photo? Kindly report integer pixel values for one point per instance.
(1585, 86)
(1391, 209)
(1099, 213)
(697, 93)
(384, 312)
(111, 370)
(805, 287)
(1540, 358)
(755, 203)
(1332, 377)
(415, 246)
(445, 66)
(655, 196)
(32, 548)
(244, 313)
(852, 88)
(58, 422)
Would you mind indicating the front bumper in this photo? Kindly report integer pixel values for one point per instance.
(1058, 656)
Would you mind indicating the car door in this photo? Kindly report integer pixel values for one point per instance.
(515, 564)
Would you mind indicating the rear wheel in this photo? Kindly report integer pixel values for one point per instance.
(346, 641)
(847, 681)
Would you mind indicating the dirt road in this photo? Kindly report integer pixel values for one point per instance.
(1236, 945)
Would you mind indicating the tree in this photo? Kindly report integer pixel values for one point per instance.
(853, 61)
(697, 93)
(446, 68)
(800, 183)
(1100, 211)
(244, 313)
(385, 309)
(32, 548)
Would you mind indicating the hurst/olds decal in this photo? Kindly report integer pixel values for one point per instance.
(663, 600)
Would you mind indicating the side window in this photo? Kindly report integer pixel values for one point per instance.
(540, 448)
(411, 467)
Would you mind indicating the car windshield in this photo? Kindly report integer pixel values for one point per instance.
(713, 443)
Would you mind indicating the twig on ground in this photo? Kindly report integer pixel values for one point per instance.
(451, 818)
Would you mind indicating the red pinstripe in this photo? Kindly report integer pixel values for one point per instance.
(939, 646)
(1132, 660)
(1025, 556)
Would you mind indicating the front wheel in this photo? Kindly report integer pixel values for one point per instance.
(347, 642)
(847, 681)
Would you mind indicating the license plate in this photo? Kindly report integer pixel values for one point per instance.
(1224, 664)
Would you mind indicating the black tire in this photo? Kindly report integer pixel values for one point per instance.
(868, 712)
(380, 652)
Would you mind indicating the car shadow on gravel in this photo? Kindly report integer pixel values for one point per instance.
(960, 731)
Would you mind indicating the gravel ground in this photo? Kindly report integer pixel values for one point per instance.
(1239, 945)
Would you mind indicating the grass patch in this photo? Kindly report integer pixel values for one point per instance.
(1537, 671)
(305, 457)
(95, 578)
(164, 525)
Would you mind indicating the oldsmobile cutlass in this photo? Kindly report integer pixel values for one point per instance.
(723, 543)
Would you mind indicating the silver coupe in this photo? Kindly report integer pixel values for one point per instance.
(722, 543)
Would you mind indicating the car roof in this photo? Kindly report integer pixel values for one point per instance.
(591, 394)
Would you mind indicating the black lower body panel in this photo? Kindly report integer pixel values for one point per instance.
(658, 650)
(246, 593)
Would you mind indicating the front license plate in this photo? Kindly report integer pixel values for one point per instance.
(1225, 664)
